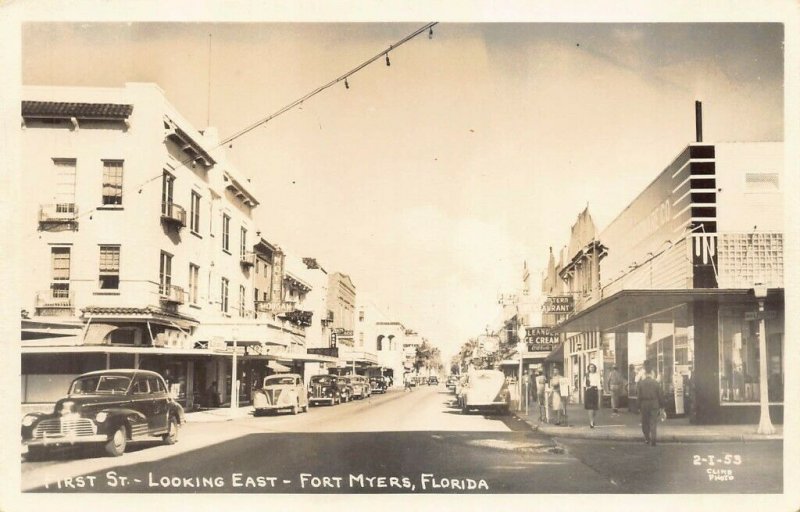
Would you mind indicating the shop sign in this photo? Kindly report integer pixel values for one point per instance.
(559, 304)
(751, 316)
(324, 351)
(541, 339)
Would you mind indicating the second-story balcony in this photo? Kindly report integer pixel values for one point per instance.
(173, 215)
(58, 213)
(247, 259)
(172, 294)
(55, 302)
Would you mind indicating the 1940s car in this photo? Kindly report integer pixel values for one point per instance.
(283, 391)
(378, 384)
(108, 407)
(360, 386)
(328, 388)
(485, 390)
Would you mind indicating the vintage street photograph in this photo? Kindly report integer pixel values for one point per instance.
(401, 258)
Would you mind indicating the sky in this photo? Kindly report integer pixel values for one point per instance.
(432, 180)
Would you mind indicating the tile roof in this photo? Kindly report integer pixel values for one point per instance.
(78, 110)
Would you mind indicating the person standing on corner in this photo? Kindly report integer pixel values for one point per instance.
(555, 394)
(541, 397)
(591, 395)
(651, 403)
(615, 385)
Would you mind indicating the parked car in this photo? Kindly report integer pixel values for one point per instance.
(356, 385)
(328, 388)
(433, 380)
(284, 391)
(451, 382)
(486, 390)
(378, 384)
(109, 408)
(360, 386)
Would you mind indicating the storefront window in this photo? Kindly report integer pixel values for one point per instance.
(739, 371)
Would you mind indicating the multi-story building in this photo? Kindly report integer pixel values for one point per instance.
(684, 278)
(142, 250)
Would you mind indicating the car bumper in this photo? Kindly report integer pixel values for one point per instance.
(65, 440)
(325, 399)
(479, 405)
(273, 407)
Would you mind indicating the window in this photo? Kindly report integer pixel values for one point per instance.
(194, 218)
(112, 182)
(194, 278)
(167, 186)
(60, 265)
(243, 244)
(255, 294)
(241, 301)
(165, 273)
(361, 316)
(109, 267)
(223, 296)
(226, 232)
(739, 357)
(65, 184)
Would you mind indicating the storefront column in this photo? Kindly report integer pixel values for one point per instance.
(189, 385)
(706, 363)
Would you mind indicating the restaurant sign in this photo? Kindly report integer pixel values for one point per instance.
(540, 339)
(559, 304)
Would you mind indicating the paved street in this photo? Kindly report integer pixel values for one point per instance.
(395, 443)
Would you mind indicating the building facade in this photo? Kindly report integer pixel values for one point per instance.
(144, 251)
(681, 275)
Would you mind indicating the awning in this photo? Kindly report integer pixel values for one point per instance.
(526, 356)
(54, 332)
(628, 306)
(309, 358)
(278, 367)
(556, 355)
(116, 349)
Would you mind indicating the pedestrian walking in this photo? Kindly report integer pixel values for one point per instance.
(591, 395)
(651, 404)
(556, 381)
(615, 385)
(541, 397)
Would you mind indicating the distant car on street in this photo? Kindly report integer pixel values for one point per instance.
(378, 384)
(284, 391)
(451, 382)
(326, 389)
(109, 408)
(433, 380)
(360, 386)
(486, 390)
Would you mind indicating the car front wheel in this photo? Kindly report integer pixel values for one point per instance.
(171, 437)
(117, 441)
(296, 408)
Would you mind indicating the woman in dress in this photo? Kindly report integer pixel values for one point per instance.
(556, 382)
(591, 394)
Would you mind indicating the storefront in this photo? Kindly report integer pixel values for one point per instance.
(702, 344)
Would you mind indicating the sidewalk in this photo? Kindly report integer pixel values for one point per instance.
(219, 414)
(625, 426)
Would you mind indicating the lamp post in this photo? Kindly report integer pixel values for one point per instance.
(234, 376)
(520, 346)
(765, 423)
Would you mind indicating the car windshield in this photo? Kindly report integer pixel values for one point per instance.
(100, 384)
(276, 381)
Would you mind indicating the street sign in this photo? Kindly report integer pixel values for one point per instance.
(751, 316)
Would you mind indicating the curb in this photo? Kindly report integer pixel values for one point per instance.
(635, 437)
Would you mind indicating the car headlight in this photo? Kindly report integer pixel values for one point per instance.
(101, 417)
(28, 420)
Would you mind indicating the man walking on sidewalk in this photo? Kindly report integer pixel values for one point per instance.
(615, 384)
(651, 401)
